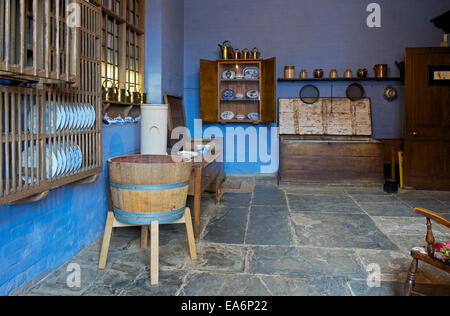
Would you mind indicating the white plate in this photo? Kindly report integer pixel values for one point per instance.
(62, 113)
(229, 74)
(63, 161)
(252, 94)
(50, 157)
(227, 115)
(188, 154)
(253, 116)
(77, 117)
(251, 73)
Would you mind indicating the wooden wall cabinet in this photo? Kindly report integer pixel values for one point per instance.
(219, 76)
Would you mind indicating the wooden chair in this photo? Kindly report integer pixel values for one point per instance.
(426, 254)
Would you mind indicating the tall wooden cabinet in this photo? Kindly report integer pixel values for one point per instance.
(427, 118)
(244, 88)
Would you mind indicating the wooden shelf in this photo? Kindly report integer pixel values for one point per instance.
(240, 121)
(239, 100)
(239, 80)
(339, 79)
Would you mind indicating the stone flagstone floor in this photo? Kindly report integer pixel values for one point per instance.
(290, 239)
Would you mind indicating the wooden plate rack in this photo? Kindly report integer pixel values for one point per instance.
(62, 66)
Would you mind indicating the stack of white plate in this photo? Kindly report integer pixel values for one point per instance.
(69, 116)
(64, 159)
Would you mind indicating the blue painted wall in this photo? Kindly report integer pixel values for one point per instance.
(311, 34)
(38, 237)
(165, 48)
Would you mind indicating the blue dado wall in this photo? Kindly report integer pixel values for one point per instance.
(38, 237)
(311, 34)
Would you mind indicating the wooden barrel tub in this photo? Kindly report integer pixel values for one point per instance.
(146, 188)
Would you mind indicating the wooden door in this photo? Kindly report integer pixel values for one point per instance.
(427, 121)
(268, 108)
(208, 90)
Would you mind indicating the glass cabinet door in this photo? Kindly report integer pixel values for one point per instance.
(239, 91)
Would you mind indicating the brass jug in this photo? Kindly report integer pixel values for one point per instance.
(226, 50)
(245, 53)
(124, 96)
(110, 93)
(256, 54)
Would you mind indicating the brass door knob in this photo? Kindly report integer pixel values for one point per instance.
(414, 134)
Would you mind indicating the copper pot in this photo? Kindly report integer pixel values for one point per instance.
(362, 73)
(237, 54)
(245, 53)
(318, 73)
(380, 70)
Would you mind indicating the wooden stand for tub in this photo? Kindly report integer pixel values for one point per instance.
(111, 222)
(148, 190)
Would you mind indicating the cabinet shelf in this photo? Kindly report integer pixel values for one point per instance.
(239, 80)
(339, 79)
(212, 84)
(240, 100)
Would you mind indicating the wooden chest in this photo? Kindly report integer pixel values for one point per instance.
(329, 142)
(331, 161)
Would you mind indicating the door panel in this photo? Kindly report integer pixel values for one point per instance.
(268, 110)
(208, 91)
(427, 128)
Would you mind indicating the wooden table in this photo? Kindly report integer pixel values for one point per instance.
(207, 175)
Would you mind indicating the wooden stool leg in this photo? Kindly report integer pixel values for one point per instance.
(218, 188)
(106, 240)
(411, 280)
(190, 234)
(154, 253)
(144, 237)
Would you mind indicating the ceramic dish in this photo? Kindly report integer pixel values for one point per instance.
(252, 94)
(239, 96)
(188, 154)
(227, 115)
(228, 74)
(253, 116)
(240, 117)
(51, 159)
(240, 76)
(227, 94)
(48, 116)
(251, 73)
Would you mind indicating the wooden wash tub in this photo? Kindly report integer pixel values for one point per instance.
(146, 188)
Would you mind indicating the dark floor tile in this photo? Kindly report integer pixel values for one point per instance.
(305, 261)
(360, 288)
(229, 227)
(269, 226)
(224, 285)
(335, 203)
(169, 284)
(424, 202)
(393, 208)
(269, 195)
(374, 198)
(236, 200)
(339, 231)
(99, 290)
(307, 286)
(219, 258)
